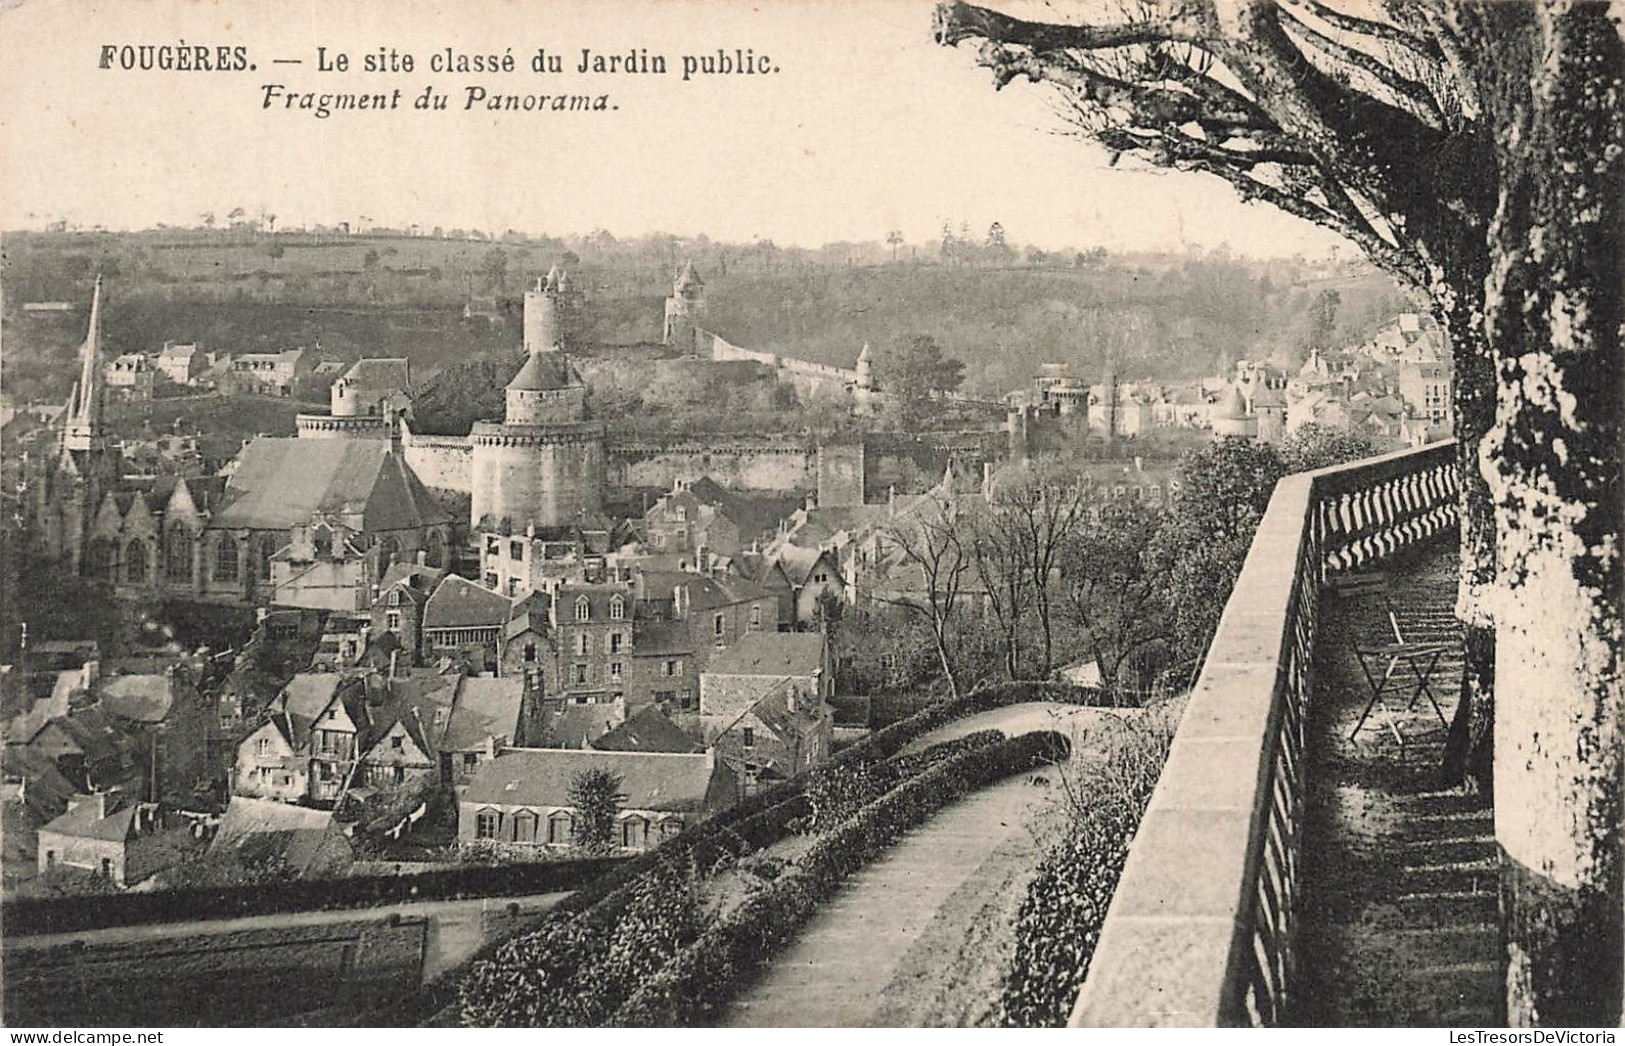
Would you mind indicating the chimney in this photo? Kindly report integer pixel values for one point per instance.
(394, 655)
(490, 746)
(89, 672)
(812, 501)
(1139, 463)
(423, 557)
(987, 482)
(891, 500)
(530, 530)
(259, 615)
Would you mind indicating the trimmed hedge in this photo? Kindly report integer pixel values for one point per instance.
(532, 978)
(702, 979)
(71, 914)
(1059, 921)
(748, 825)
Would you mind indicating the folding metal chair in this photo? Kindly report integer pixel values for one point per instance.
(1421, 658)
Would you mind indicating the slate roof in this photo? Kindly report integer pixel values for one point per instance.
(85, 821)
(771, 654)
(138, 698)
(662, 637)
(303, 699)
(578, 726)
(542, 777)
(460, 603)
(648, 731)
(302, 837)
(378, 372)
(484, 707)
(543, 371)
(282, 482)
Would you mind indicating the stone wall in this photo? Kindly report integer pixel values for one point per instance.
(737, 465)
(441, 462)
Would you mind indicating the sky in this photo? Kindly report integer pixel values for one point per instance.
(863, 127)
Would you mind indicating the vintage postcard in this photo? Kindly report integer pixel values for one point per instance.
(831, 513)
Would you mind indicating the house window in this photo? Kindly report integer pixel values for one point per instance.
(750, 737)
(524, 827)
(395, 597)
(717, 625)
(583, 644)
(516, 550)
(617, 609)
(581, 675)
(491, 581)
(397, 744)
(671, 667)
(615, 642)
(486, 823)
(530, 651)
(665, 697)
(559, 828)
(393, 618)
(756, 617)
(323, 539)
(513, 586)
(583, 609)
(614, 670)
(264, 746)
(634, 833)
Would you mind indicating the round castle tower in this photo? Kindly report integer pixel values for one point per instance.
(544, 462)
(544, 329)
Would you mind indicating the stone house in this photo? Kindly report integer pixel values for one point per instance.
(464, 621)
(308, 747)
(182, 364)
(487, 715)
(268, 373)
(398, 608)
(110, 835)
(522, 796)
(764, 706)
(593, 628)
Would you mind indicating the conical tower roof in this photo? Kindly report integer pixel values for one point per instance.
(543, 371)
(863, 357)
(688, 277)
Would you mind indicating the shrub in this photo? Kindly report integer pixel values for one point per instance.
(1060, 918)
(702, 979)
(746, 826)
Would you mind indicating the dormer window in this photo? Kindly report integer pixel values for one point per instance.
(617, 609)
(583, 609)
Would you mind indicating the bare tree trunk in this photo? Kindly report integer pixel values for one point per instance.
(1470, 744)
(1553, 316)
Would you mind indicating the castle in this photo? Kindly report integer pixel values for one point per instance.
(357, 489)
(544, 462)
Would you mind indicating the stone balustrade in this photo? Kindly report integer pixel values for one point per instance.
(1200, 931)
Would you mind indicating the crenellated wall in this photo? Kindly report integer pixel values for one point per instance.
(441, 462)
(737, 464)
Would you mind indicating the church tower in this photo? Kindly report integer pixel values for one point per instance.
(83, 429)
(684, 309)
(88, 465)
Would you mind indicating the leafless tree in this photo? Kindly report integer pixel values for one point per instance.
(922, 565)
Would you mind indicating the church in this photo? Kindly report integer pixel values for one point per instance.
(294, 522)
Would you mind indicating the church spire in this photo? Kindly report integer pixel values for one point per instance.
(84, 428)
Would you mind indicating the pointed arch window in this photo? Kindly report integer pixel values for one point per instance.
(225, 558)
(178, 555)
(135, 563)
